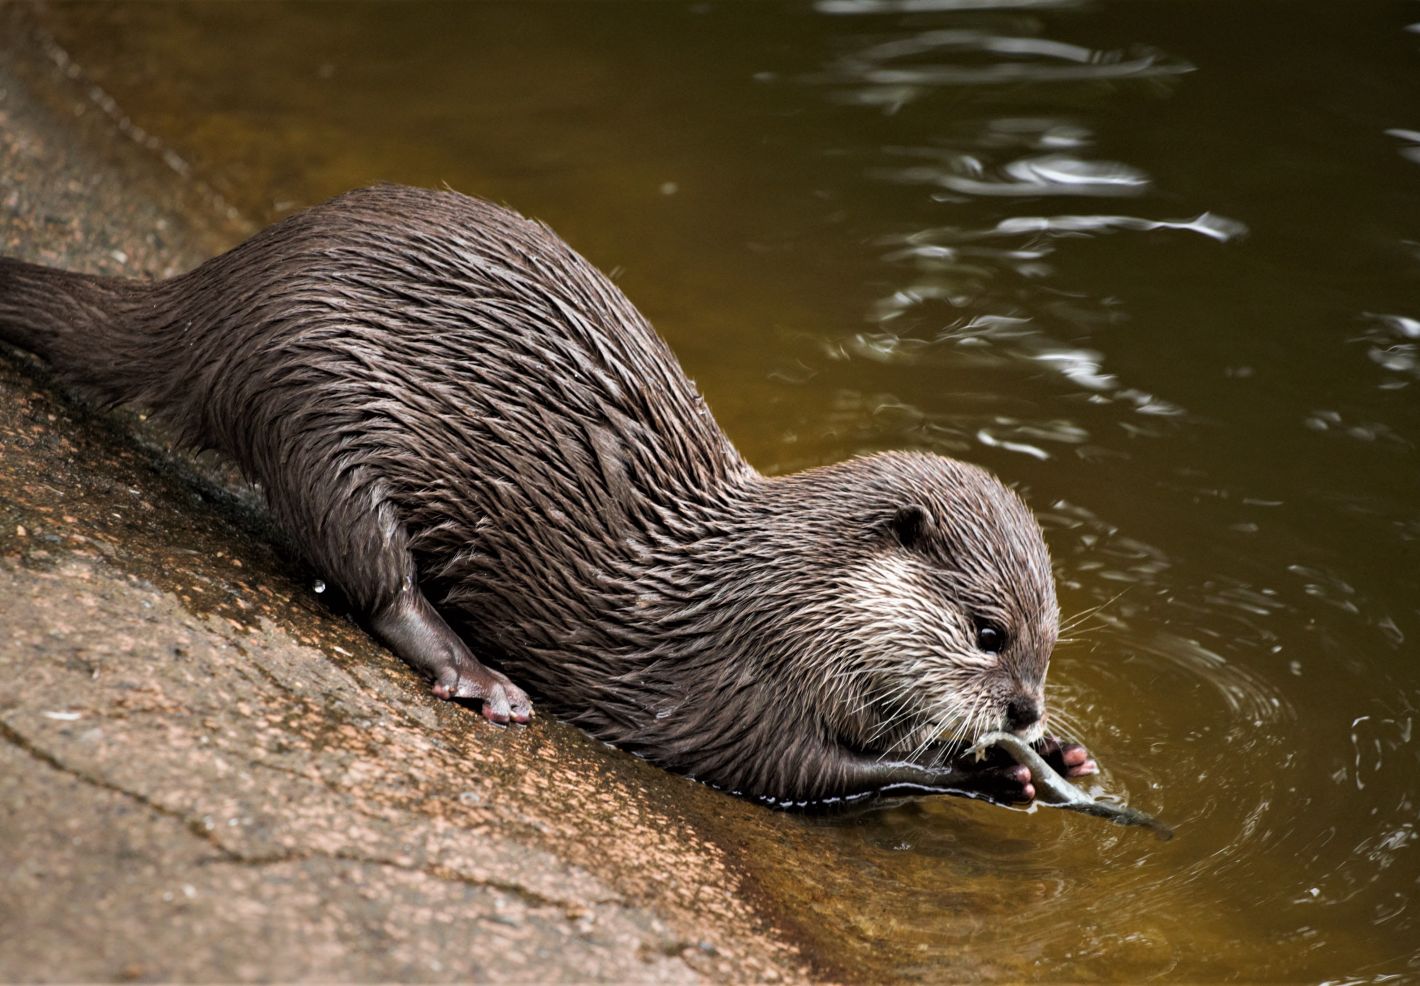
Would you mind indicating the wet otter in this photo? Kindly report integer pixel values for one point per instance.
(470, 430)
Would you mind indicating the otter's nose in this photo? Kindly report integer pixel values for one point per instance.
(1022, 712)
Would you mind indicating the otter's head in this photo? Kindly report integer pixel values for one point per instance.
(942, 613)
(823, 626)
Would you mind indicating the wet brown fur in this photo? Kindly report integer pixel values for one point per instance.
(439, 396)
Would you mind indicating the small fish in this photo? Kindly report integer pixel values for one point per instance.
(1056, 791)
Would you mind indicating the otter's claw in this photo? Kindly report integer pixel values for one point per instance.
(502, 700)
(994, 775)
(1008, 784)
(1068, 759)
(415, 631)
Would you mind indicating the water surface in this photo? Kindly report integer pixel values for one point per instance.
(1156, 264)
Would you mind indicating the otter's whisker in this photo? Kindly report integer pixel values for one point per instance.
(1074, 621)
(904, 709)
(1069, 725)
(963, 730)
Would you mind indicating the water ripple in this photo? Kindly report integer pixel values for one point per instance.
(922, 323)
(1393, 344)
(1046, 174)
(852, 7)
(1251, 701)
(1219, 228)
(892, 73)
(1411, 151)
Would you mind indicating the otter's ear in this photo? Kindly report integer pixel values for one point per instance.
(908, 524)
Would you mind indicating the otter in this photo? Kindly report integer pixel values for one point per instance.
(475, 435)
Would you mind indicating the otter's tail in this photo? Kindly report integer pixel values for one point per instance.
(77, 322)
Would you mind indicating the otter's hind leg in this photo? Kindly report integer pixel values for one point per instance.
(352, 534)
(412, 628)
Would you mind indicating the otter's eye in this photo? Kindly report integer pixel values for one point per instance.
(990, 638)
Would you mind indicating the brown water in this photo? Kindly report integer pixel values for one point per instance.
(1158, 264)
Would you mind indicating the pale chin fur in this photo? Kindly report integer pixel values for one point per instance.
(905, 615)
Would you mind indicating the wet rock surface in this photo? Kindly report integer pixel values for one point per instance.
(206, 772)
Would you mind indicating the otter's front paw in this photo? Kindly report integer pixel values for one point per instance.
(502, 700)
(996, 777)
(1068, 759)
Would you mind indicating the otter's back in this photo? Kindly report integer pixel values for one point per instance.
(426, 324)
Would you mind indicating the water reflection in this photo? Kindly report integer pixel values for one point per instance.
(952, 270)
(892, 72)
(1411, 149)
(1394, 345)
(839, 7)
(1047, 174)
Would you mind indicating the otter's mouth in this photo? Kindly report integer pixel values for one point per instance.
(1031, 735)
(953, 746)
